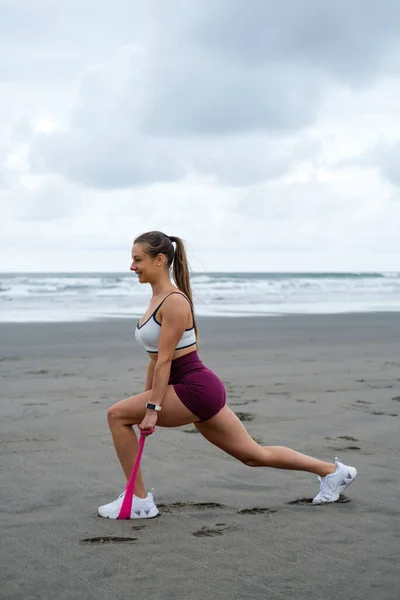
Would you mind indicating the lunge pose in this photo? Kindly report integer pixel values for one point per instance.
(181, 390)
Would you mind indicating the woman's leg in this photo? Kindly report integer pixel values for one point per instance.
(131, 411)
(227, 432)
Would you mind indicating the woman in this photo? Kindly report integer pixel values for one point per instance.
(181, 390)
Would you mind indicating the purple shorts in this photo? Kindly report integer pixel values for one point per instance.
(198, 388)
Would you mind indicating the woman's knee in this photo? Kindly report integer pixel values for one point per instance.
(116, 415)
(248, 456)
(254, 455)
(113, 415)
(262, 456)
(248, 459)
(126, 412)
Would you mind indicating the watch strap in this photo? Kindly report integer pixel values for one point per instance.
(153, 406)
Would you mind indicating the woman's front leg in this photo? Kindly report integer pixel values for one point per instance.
(121, 417)
(131, 411)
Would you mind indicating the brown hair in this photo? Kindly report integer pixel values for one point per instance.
(156, 242)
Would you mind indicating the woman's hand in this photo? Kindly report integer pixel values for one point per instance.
(149, 421)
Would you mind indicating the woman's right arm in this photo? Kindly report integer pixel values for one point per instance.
(150, 373)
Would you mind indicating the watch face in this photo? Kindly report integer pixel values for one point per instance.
(152, 406)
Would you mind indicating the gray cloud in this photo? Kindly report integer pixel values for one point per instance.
(387, 158)
(110, 162)
(382, 156)
(252, 159)
(105, 146)
(223, 98)
(220, 89)
(236, 67)
(343, 37)
(46, 40)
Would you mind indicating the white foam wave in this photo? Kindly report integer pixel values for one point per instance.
(83, 296)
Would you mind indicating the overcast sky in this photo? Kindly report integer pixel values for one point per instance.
(265, 133)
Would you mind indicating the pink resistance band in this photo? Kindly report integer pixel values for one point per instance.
(126, 507)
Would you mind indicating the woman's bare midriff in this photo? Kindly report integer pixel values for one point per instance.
(177, 353)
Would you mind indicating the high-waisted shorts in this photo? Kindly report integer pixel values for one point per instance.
(198, 388)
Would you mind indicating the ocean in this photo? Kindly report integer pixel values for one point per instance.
(58, 297)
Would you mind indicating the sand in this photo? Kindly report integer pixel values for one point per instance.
(324, 385)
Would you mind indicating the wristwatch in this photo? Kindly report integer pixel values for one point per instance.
(152, 406)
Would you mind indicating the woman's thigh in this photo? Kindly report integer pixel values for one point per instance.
(131, 411)
(227, 432)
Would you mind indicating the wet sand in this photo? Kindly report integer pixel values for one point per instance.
(324, 385)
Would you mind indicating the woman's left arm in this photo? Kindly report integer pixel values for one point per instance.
(173, 324)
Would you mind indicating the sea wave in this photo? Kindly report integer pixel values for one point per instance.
(82, 296)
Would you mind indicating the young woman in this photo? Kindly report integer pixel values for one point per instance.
(181, 390)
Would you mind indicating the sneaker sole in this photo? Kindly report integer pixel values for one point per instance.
(341, 489)
(140, 514)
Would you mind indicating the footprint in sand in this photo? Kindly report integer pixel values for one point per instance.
(380, 387)
(341, 500)
(189, 506)
(209, 531)
(257, 440)
(190, 429)
(58, 375)
(107, 539)
(29, 439)
(245, 416)
(243, 402)
(257, 510)
(39, 372)
(348, 438)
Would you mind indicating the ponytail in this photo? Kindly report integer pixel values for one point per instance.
(181, 273)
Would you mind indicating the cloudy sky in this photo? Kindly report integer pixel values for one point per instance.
(265, 133)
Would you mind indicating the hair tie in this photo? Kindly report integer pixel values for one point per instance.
(171, 237)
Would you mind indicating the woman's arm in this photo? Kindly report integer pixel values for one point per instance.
(150, 373)
(173, 323)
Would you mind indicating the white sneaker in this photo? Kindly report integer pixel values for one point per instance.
(333, 485)
(142, 508)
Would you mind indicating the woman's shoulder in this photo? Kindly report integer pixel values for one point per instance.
(176, 298)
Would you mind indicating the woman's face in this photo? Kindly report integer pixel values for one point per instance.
(145, 266)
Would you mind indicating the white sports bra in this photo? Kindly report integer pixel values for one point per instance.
(148, 334)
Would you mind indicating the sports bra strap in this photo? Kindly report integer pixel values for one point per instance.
(161, 303)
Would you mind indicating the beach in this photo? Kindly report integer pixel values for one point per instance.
(325, 385)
